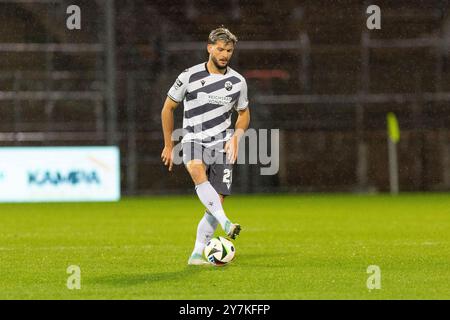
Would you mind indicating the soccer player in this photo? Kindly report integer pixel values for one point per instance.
(210, 92)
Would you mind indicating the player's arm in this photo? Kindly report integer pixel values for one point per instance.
(167, 126)
(242, 123)
(174, 97)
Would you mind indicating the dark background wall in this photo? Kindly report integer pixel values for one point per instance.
(329, 92)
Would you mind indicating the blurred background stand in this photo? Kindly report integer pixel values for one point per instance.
(314, 72)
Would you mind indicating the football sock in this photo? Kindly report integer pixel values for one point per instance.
(211, 200)
(205, 231)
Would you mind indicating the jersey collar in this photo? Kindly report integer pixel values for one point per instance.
(206, 68)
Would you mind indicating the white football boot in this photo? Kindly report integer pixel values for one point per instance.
(197, 260)
(232, 229)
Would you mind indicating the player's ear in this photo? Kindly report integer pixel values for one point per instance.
(209, 48)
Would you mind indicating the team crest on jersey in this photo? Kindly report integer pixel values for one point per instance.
(228, 85)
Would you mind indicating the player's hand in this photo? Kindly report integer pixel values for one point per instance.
(231, 148)
(167, 157)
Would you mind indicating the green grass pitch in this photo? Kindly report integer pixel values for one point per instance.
(291, 247)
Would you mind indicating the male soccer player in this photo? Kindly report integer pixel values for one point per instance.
(210, 91)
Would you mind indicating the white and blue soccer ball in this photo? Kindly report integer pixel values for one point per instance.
(219, 251)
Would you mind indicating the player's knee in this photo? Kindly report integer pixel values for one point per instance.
(196, 171)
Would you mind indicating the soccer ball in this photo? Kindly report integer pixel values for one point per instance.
(219, 251)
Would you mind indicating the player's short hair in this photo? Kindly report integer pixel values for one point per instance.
(223, 34)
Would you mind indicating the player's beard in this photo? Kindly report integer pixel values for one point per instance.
(216, 63)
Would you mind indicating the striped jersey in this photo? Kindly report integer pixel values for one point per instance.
(209, 100)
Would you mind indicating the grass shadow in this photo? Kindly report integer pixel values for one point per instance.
(135, 279)
(147, 278)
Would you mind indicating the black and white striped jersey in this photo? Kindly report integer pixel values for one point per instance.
(209, 100)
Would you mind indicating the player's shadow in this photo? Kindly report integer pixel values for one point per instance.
(146, 278)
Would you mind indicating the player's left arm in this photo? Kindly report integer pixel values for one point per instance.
(242, 123)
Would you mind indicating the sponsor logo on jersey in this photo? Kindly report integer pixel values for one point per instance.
(178, 84)
(219, 99)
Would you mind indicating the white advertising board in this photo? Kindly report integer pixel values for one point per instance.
(41, 174)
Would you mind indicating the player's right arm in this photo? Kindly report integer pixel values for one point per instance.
(167, 126)
(174, 97)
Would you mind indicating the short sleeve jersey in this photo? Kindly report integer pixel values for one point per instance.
(209, 100)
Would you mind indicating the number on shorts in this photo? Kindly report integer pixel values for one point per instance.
(227, 176)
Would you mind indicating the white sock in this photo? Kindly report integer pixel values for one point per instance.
(211, 200)
(205, 231)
